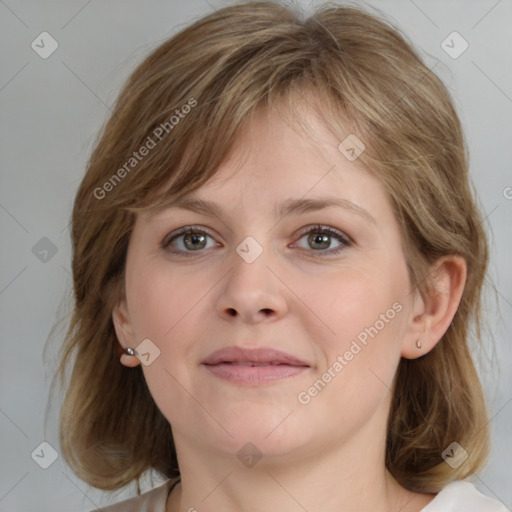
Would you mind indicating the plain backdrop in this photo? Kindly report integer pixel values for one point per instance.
(51, 111)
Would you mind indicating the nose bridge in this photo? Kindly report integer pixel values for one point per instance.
(250, 265)
(251, 288)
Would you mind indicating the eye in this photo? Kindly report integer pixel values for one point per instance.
(319, 238)
(189, 239)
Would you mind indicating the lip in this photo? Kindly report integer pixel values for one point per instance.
(253, 367)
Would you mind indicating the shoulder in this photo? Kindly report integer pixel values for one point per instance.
(463, 496)
(151, 501)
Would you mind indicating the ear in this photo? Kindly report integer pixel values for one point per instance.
(433, 314)
(124, 332)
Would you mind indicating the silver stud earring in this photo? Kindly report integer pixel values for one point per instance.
(418, 343)
(129, 351)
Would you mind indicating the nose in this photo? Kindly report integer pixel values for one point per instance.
(254, 291)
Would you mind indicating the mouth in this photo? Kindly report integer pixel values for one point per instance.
(253, 367)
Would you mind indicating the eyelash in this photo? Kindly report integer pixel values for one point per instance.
(317, 228)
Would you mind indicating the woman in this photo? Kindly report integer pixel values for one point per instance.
(277, 255)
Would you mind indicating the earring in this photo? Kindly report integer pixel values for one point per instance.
(418, 343)
(127, 358)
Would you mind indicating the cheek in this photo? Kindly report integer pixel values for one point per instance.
(161, 298)
(342, 305)
(360, 336)
(361, 347)
(164, 306)
(167, 305)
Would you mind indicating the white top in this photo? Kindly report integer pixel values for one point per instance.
(462, 496)
(458, 496)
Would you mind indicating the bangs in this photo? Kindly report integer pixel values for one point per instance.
(187, 127)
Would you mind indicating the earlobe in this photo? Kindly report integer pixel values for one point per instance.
(434, 313)
(124, 333)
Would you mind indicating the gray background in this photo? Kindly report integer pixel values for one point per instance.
(51, 111)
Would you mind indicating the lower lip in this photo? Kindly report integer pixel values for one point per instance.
(254, 375)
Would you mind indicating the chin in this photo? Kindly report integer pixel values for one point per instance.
(269, 434)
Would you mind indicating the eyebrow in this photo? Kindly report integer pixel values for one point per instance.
(289, 207)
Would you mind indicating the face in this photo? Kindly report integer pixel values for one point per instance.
(328, 287)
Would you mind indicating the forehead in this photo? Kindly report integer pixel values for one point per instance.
(291, 165)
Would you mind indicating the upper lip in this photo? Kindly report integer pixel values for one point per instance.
(237, 354)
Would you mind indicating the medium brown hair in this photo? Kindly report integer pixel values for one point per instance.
(363, 77)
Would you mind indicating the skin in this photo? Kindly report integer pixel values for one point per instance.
(327, 454)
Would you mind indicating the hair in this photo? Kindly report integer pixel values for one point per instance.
(201, 87)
